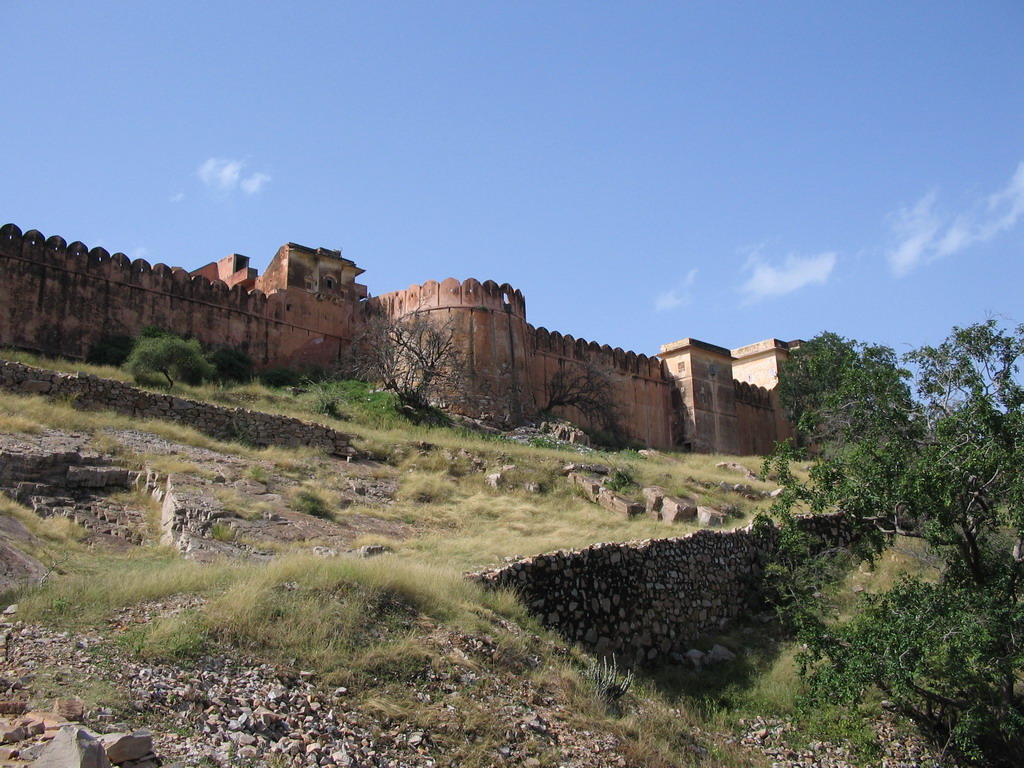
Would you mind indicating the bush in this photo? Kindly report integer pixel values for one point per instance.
(171, 356)
(230, 364)
(311, 503)
(281, 377)
(111, 350)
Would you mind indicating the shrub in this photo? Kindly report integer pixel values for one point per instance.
(281, 377)
(311, 503)
(171, 356)
(230, 364)
(608, 683)
(111, 350)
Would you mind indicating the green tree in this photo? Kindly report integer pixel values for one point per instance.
(171, 356)
(836, 391)
(947, 648)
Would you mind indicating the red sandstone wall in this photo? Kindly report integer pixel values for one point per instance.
(61, 299)
(512, 360)
(755, 420)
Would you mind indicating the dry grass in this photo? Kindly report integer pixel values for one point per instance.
(365, 621)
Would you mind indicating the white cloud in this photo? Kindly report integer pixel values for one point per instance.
(252, 184)
(923, 237)
(178, 197)
(796, 272)
(225, 175)
(678, 296)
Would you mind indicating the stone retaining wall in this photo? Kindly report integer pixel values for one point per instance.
(646, 601)
(253, 427)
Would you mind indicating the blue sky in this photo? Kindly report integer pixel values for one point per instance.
(642, 171)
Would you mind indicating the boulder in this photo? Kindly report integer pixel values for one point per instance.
(122, 747)
(709, 517)
(73, 747)
(619, 504)
(720, 653)
(676, 509)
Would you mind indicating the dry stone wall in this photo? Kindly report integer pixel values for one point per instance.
(647, 601)
(258, 429)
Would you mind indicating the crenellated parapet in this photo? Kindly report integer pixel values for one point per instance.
(751, 394)
(567, 347)
(453, 294)
(34, 247)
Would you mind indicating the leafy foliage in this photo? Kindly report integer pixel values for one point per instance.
(947, 650)
(838, 391)
(111, 350)
(171, 356)
(230, 364)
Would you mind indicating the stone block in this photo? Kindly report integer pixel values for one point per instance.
(654, 495)
(590, 486)
(619, 504)
(709, 517)
(676, 509)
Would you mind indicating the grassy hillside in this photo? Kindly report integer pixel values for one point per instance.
(416, 647)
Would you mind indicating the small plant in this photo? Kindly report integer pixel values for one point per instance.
(622, 480)
(311, 503)
(257, 473)
(609, 684)
(325, 402)
(222, 532)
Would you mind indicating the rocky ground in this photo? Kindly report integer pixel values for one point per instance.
(228, 711)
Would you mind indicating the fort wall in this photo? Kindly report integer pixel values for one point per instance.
(511, 361)
(306, 309)
(61, 299)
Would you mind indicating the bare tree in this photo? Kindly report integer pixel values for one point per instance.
(587, 387)
(415, 358)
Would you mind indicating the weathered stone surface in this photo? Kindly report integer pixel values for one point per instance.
(122, 747)
(73, 747)
(619, 504)
(654, 495)
(589, 485)
(676, 509)
(709, 517)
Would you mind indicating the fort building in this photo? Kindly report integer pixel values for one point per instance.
(306, 310)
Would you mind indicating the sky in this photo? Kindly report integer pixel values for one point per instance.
(642, 171)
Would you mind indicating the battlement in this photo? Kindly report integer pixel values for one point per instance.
(624, 361)
(450, 294)
(53, 251)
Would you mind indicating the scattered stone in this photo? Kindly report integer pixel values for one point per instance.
(737, 467)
